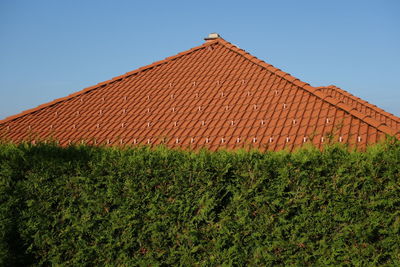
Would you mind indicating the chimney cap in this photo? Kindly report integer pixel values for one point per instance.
(212, 36)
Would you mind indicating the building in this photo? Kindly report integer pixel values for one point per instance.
(216, 96)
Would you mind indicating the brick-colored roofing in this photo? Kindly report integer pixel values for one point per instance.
(215, 96)
(362, 106)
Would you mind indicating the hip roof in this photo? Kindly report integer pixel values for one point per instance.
(215, 95)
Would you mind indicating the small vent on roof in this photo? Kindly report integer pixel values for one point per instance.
(212, 36)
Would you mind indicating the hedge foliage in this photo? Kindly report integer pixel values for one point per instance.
(83, 205)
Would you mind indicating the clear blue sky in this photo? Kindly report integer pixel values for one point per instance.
(49, 49)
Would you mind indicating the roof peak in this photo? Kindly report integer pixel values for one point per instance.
(212, 36)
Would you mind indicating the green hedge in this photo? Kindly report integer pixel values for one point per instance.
(85, 205)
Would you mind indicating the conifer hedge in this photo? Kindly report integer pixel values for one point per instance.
(142, 206)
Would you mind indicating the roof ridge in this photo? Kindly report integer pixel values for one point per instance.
(262, 63)
(362, 102)
(381, 126)
(104, 83)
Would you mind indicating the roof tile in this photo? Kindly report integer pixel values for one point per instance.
(214, 95)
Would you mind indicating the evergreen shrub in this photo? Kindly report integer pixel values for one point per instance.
(141, 206)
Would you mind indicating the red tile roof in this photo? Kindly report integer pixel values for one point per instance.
(215, 96)
(362, 106)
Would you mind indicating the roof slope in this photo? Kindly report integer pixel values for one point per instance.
(362, 105)
(214, 95)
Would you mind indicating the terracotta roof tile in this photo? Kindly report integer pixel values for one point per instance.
(361, 105)
(215, 95)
